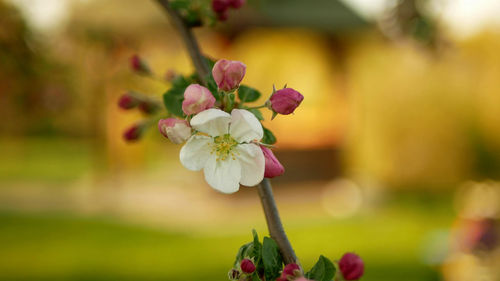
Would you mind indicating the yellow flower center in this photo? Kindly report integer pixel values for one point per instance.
(223, 147)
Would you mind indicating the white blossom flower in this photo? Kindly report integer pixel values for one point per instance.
(223, 148)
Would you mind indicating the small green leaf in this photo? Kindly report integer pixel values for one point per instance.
(323, 270)
(257, 113)
(247, 94)
(242, 251)
(212, 86)
(269, 137)
(173, 101)
(257, 247)
(271, 259)
(181, 82)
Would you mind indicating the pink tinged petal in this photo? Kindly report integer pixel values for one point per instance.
(252, 163)
(195, 153)
(196, 99)
(176, 130)
(228, 74)
(245, 127)
(223, 175)
(214, 122)
(273, 166)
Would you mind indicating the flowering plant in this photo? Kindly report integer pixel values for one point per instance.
(208, 112)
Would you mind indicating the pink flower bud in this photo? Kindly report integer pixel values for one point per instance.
(228, 74)
(176, 130)
(139, 65)
(351, 266)
(196, 99)
(236, 4)
(220, 6)
(247, 266)
(285, 101)
(273, 166)
(128, 101)
(133, 133)
(291, 269)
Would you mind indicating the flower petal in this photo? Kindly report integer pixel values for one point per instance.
(245, 127)
(252, 163)
(214, 122)
(195, 152)
(223, 175)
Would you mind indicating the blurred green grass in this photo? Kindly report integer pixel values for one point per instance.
(65, 246)
(54, 246)
(44, 159)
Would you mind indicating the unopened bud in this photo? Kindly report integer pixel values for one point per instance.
(176, 130)
(228, 74)
(236, 4)
(134, 132)
(291, 269)
(170, 75)
(234, 274)
(247, 266)
(285, 101)
(220, 6)
(196, 99)
(148, 107)
(139, 65)
(128, 101)
(273, 166)
(351, 266)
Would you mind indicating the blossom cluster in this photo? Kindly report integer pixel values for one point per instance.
(223, 141)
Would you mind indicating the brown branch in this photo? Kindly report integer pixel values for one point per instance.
(265, 190)
(274, 222)
(187, 36)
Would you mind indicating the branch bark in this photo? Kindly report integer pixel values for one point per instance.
(274, 222)
(264, 188)
(189, 41)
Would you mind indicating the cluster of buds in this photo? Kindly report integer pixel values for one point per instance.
(221, 7)
(351, 266)
(146, 105)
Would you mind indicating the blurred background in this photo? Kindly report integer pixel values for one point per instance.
(394, 153)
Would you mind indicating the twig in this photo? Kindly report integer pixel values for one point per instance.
(187, 36)
(265, 190)
(274, 222)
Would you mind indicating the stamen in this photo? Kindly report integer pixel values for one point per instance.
(223, 147)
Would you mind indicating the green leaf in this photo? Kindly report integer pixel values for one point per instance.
(179, 4)
(212, 86)
(173, 101)
(247, 94)
(269, 137)
(323, 270)
(181, 82)
(242, 251)
(255, 276)
(271, 259)
(257, 113)
(210, 62)
(257, 247)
